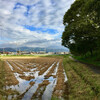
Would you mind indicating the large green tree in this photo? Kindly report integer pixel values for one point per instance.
(82, 27)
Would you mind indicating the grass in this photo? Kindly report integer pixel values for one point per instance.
(94, 60)
(36, 55)
(83, 83)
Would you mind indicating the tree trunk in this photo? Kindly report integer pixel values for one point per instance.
(91, 52)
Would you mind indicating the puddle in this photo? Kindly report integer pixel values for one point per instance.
(49, 89)
(56, 69)
(30, 92)
(16, 66)
(33, 69)
(20, 64)
(10, 66)
(25, 88)
(66, 79)
(38, 80)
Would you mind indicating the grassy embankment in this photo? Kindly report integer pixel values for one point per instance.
(83, 84)
(90, 59)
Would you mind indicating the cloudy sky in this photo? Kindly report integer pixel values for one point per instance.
(33, 23)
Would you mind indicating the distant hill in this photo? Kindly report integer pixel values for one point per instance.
(36, 49)
(8, 49)
(49, 49)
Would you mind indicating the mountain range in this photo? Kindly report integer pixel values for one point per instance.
(36, 49)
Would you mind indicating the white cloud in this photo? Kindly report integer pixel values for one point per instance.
(14, 14)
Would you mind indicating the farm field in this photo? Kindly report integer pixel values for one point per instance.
(44, 78)
(32, 78)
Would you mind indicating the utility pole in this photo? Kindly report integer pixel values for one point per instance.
(3, 51)
(16, 48)
(45, 50)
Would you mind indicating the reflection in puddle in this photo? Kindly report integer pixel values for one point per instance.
(10, 66)
(49, 89)
(39, 79)
(65, 76)
(30, 92)
(24, 86)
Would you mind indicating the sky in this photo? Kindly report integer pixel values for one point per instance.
(32, 23)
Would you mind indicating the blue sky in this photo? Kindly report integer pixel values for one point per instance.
(40, 29)
(32, 23)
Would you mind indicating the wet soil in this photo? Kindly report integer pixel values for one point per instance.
(34, 78)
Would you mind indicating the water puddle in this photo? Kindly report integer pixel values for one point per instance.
(56, 69)
(49, 89)
(10, 66)
(24, 86)
(38, 80)
(66, 79)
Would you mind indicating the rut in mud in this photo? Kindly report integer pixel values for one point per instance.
(34, 78)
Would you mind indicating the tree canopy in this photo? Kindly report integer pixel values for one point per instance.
(82, 27)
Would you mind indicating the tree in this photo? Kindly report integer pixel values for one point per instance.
(82, 27)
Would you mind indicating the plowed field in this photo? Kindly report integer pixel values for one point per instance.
(33, 78)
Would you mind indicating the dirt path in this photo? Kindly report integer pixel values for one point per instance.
(95, 69)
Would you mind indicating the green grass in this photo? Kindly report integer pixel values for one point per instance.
(38, 55)
(83, 83)
(94, 60)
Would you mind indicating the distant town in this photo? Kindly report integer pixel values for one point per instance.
(30, 53)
